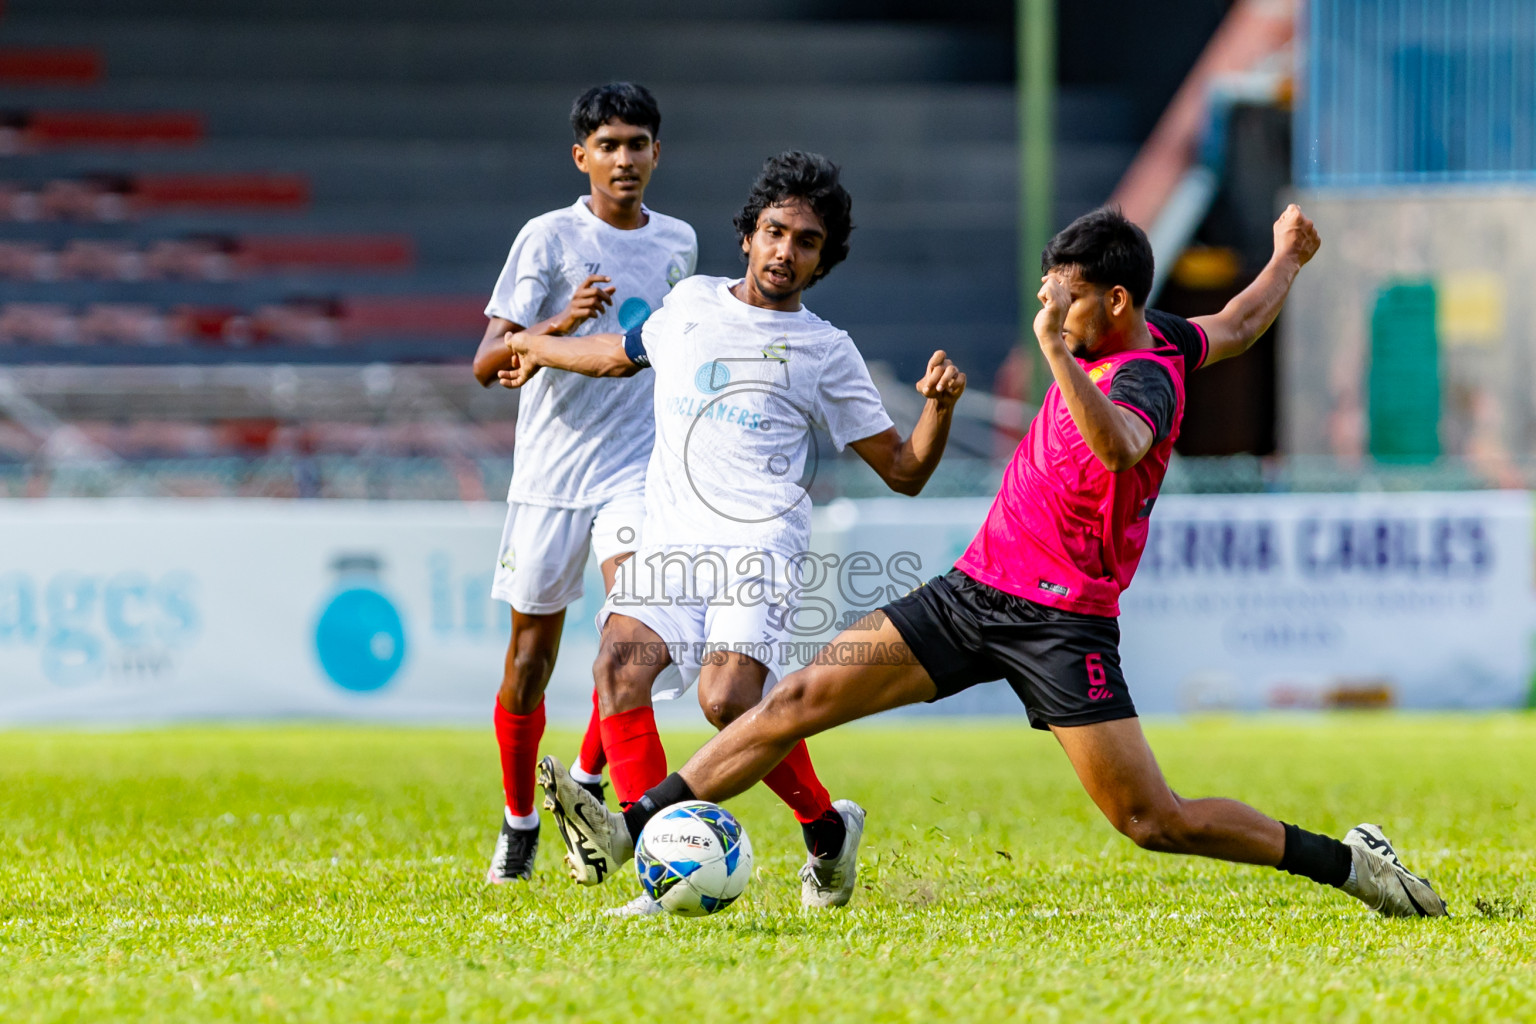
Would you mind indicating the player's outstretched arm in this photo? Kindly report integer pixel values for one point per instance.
(1117, 437)
(1241, 322)
(905, 466)
(594, 355)
(493, 356)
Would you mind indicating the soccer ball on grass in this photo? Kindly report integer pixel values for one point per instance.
(694, 858)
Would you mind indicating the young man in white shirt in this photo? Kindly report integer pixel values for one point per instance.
(743, 373)
(601, 264)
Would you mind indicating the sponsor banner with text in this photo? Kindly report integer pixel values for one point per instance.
(154, 610)
(1296, 600)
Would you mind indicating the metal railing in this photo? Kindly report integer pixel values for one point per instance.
(386, 478)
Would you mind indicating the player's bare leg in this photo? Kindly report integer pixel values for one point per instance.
(530, 661)
(590, 759)
(1116, 767)
(730, 685)
(804, 703)
(812, 700)
(1122, 777)
(519, 719)
(1114, 761)
(531, 653)
(630, 656)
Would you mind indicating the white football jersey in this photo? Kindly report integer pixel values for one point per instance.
(738, 390)
(582, 440)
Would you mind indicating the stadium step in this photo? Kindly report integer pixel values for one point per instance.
(121, 197)
(656, 50)
(70, 126)
(903, 291)
(482, 11)
(356, 170)
(50, 65)
(919, 237)
(422, 129)
(203, 257)
(843, 116)
(153, 192)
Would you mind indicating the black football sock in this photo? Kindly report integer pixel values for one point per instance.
(1321, 858)
(670, 790)
(824, 837)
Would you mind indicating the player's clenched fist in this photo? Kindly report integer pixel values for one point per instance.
(1054, 300)
(524, 365)
(589, 301)
(1296, 236)
(943, 382)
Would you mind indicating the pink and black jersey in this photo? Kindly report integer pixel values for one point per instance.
(1064, 531)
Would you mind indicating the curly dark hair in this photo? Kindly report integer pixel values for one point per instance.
(630, 103)
(1107, 249)
(813, 178)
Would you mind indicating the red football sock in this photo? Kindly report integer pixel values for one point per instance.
(518, 737)
(591, 759)
(636, 761)
(794, 781)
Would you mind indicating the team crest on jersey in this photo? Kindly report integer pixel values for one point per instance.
(1097, 373)
(677, 269)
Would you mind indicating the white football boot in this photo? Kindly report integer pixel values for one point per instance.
(829, 883)
(596, 839)
(1382, 883)
(640, 906)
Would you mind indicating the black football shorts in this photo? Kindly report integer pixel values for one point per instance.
(1065, 666)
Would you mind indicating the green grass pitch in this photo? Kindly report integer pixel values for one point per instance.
(334, 873)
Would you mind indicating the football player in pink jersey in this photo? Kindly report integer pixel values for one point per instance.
(1034, 598)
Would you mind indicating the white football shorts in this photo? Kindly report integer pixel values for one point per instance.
(544, 550)
(742, 609)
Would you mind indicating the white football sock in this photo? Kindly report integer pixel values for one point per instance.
(582, 776)
(524, 821)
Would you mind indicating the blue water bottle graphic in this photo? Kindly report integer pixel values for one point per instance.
(359, 637)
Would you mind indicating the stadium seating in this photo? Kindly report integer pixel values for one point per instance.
(420, 326)
(337, 181)
(50, 66)
(201, 125)
(202, 257)
(40, 129)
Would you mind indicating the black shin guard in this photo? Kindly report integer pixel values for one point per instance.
(670, 790)
(1321, 858)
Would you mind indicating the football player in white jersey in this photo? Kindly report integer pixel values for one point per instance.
(744, 372)
(601, 264)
